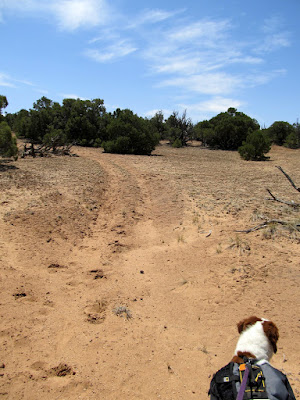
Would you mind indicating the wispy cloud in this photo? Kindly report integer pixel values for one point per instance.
(150, 16)
(71, 96)
(206, 83)
(196, 55)
(204, 57)
(272, 24)
(214, 105)
(119, 49)
(42, 91)
(261, 78)
(275, 36)
(207, 31)
(6, 81)
(151, 113)
(9, 81)
(197, 61)
(274, 42)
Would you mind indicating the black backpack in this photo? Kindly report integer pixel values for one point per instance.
(224, 384)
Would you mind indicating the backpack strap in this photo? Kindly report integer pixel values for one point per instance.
(241, 392)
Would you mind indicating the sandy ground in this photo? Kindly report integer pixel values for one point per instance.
(123, 277)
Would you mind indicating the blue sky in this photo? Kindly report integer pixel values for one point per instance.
(202, 56)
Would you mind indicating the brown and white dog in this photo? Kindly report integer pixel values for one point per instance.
(258, 339)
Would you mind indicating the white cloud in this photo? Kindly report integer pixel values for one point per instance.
(115, 51)
(275, 35)
(42, 91)
(204, 57)
(69, 14)
(272, 24)
(152, 17)
(274, 42)
(106, 35)
(72, 96)
(203, 110)
(205, 30)
(207, 83)
(213, 105)
(196, 56)
(72, 14)
(151, 113)
(178, 64)
(193, 62)
(6, 81)
(252, 80)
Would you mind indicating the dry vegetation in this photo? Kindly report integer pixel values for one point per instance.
(124, 276)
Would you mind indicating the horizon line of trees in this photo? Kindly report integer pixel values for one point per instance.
(87, 123)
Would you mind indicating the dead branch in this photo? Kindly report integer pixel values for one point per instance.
(288, 178)
(44, 150)
(270, 222)
(289, 203)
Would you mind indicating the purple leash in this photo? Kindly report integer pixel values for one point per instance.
(243, 385)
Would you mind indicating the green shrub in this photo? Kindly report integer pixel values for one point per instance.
(8, 143)
(279, 131)
(227, 130)
(121, 145)
(97, 142)
(292, 141)
(255, 147)
(177, 143)
(129, 134)
(83, 142)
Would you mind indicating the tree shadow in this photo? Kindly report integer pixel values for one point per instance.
(5, 165)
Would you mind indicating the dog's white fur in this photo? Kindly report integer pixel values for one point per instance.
(254, 340)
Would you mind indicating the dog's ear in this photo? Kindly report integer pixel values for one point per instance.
(242, 325)
(272, 333)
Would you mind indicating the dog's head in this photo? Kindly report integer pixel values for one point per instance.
(258, 338)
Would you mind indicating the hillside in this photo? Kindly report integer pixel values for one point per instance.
(123, 277)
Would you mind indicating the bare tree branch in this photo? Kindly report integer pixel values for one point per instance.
(288, 178)
(292, 224)
(270, 222)
(289, 203)
(46, 149)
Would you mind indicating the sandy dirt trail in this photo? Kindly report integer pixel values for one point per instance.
(122, 277)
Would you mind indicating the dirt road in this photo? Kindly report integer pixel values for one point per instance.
(122, 277)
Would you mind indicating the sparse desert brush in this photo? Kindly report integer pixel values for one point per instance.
(233, 207)
(184, 281)
(219, 249)
(196, 218)
(241, 245)
(204, 349)
(180, 238)
(270, 231)
(257, 215)
(122, 311)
